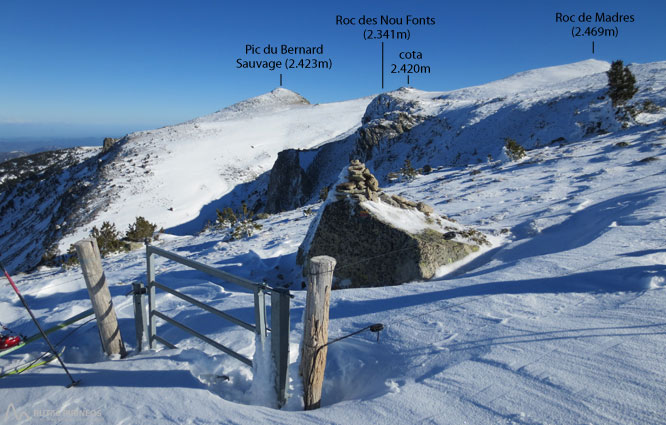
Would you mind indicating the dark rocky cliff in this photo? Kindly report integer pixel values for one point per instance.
(289, 186)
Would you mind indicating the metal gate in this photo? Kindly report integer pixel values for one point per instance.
(279, 328)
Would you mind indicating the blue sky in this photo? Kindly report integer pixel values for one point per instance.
(92, 68)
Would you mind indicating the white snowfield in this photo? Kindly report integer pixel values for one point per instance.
(563, 321)
(167, 175)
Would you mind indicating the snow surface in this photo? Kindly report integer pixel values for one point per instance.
(562, 323)
(410, 220)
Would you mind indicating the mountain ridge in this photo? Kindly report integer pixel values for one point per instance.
(180, 174)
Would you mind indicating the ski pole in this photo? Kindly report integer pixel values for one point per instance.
(34, 319)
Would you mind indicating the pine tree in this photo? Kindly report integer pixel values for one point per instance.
(245, 225)
(140, 230)
(108, 238)
(226, 217)
(408, 172)
(241, 223)
(513, 149)
(621, 83)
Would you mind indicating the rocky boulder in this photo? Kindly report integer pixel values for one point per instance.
(379, 239)
(108, 143)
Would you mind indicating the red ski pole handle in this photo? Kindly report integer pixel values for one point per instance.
(9, 278)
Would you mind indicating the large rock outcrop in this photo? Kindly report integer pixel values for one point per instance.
(288, 184)
(386, 118)
(108, 143)
(379, 239)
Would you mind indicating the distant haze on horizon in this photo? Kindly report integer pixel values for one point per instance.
(31, 145)
(17, 131)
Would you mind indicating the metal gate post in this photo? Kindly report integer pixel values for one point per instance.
(150, 276)
(140, 322)
(260, 313)
(280, 341)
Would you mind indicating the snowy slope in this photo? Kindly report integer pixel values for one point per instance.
(167, 175)
(561, 322)
(536, 108)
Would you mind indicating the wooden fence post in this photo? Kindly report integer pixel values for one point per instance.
(315, 332)
(107, 323)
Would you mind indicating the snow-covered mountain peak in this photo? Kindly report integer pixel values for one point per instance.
(287, 95)
(535, 79)
(551, 75)
(273, 101)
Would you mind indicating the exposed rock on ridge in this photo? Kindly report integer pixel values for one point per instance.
(288, 183)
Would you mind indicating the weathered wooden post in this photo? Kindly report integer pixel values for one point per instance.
(315, 333)
(107, 323)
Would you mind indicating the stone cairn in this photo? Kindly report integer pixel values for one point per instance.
(362, 186)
